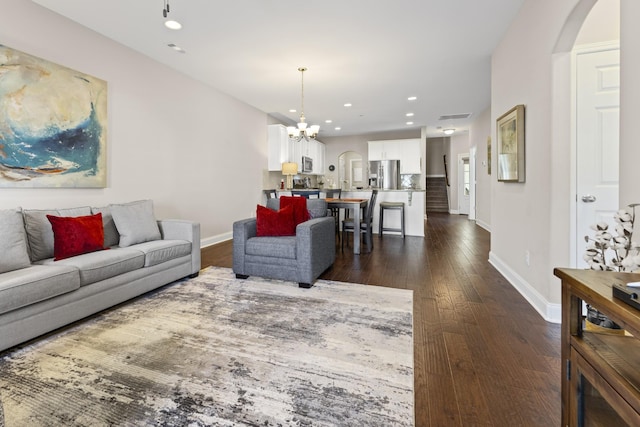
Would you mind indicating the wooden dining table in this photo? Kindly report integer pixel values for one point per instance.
(356, 205)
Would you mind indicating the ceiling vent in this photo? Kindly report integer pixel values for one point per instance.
(455, 116)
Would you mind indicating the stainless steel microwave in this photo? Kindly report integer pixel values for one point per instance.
(307, 164)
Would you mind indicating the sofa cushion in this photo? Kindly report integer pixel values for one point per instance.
(97, 266)
(30, 285)
(76, 235)
(111, 235)
(159, 251)
(135, 222)
(39, 231)
(299, 204)
(274, 247)
(13, 242)
(275, 223)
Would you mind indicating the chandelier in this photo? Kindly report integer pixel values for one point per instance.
(303, 130)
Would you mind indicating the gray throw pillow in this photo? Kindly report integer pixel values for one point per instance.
(39, 231)
(111, 235)
(135, 222)
(13, 242)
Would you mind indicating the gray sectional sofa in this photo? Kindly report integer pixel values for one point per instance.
(301, 258)
(39, 294)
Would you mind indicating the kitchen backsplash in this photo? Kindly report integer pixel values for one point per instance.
(410, 181)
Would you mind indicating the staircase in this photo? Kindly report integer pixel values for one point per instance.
(437, 199)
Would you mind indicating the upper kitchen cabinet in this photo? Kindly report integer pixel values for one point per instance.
(278, 146)
(283, 149)
(405, 150)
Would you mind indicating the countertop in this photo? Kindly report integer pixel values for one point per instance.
(354, 190)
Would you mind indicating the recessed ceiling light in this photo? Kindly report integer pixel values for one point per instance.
(176, 48)
(173, 25)
(409, 123)
(409, 114)
(293, 110)
(338, 128)
(348, 104)
(412, 98)
(328, 121)
(448, 131)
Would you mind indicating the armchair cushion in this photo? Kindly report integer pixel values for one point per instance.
(275, 223)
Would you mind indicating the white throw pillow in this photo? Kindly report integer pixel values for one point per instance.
(13, 242)
(135, 222)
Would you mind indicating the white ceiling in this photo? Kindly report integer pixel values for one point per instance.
(371, 53)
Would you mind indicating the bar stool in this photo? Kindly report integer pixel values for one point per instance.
(392, 206)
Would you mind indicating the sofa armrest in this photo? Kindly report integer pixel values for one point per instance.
(315, 246)
(178, 229)
(243, 230)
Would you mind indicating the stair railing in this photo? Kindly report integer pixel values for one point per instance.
(446, 180)
(446, 174)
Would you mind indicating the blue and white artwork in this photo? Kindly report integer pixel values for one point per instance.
(53, 124)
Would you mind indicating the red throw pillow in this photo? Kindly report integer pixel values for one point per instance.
(275, 223)
(76, 235)
(300, 211)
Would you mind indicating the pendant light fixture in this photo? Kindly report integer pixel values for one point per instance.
(303, 130)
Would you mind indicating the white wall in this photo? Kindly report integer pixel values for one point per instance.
(170, 138)
(533, 217)
(479, 131)
(436, 149)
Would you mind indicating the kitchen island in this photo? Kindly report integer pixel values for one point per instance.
(414, 207)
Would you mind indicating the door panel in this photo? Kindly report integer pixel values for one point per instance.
(597, 141)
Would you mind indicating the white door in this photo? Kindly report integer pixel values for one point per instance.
(597, 141)
(464, 184)
(472, 179)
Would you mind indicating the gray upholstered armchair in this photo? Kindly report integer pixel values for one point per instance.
(300, 258)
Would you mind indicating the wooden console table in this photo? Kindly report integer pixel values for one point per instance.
(600, 372)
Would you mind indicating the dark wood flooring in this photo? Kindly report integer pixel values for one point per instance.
(482, 355)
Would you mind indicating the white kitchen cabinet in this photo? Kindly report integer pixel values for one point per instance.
(319, 160)
(411, 160)
(405, 150)
(282, 149)
(376, 150)
(278, 147)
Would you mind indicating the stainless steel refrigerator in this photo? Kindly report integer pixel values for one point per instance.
(384, 174)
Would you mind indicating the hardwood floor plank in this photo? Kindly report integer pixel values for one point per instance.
(482, 354)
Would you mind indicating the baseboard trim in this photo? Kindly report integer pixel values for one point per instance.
(483, 224)
(208, 241)
(549, 311)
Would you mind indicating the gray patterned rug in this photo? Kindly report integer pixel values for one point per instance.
(217, 351)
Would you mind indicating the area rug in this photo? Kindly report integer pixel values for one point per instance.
(220, 351)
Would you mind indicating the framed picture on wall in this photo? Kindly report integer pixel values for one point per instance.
(511, 151)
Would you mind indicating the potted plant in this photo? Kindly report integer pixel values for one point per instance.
(608, 252)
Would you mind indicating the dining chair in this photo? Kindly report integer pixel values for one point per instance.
(334, 193)
(306, 194)
(271, 194)
(366, 224)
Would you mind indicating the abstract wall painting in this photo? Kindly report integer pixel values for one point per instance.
(53, 124)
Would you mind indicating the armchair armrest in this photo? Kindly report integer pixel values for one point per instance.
(315, 246)
(243, 230)
(177, 229)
